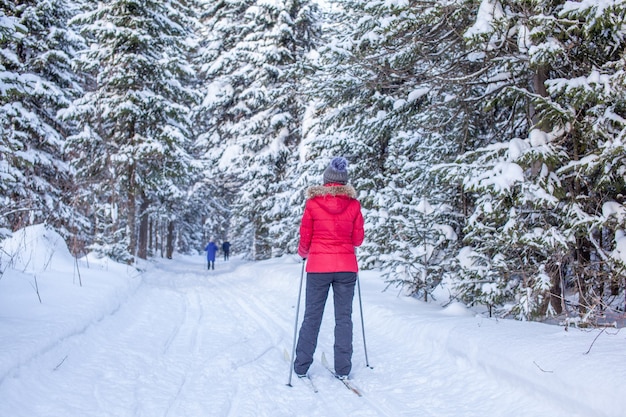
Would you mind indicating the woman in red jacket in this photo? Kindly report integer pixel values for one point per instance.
(332, 226)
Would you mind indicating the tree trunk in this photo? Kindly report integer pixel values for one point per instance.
(583, 281)
(131, 219)
(151, 236)
(162, 236)
(170, 239)
(142, 251)
(539, 79)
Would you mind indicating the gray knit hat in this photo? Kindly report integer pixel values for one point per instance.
(337, 171)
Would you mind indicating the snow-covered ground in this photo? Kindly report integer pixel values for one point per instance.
(178, 340)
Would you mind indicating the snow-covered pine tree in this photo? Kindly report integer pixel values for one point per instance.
(388, 98)
(300, 30)
(582, 48)
(37, 48)
(353, 96)
(512, 246)
(254, 110)
(10, 33)
(535, 222)
(132, 155)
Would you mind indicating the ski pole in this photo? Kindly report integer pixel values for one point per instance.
(295, 328)
(358, 284)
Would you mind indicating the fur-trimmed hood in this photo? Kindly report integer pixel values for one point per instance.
(330, 190)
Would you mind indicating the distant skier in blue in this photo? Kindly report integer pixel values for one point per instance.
(226, 250)
(211, 250)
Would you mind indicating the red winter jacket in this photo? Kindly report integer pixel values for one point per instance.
(332, 225)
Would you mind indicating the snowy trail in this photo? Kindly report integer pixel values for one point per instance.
(191, 342)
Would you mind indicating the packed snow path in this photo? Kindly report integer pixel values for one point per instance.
(191, 342)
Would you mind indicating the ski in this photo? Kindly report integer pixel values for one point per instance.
(309, 382)
(306, 379)
(346, 382)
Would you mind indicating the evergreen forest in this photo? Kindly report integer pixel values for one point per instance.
(485, 139)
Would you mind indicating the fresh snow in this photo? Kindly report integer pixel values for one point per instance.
(488, 12)
(173, 339)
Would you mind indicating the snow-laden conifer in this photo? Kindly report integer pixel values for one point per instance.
(132, 153)
(535, 228)
(389, 101)
(37, 81)
(253, 110)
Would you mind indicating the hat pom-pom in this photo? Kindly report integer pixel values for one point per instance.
(339, 163)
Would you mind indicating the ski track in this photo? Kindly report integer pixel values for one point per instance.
(207, 326)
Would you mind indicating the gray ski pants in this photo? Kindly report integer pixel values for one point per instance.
(317, 287)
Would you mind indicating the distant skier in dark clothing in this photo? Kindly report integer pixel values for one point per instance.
(226, 249)
(332, 226)
(211, 250)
